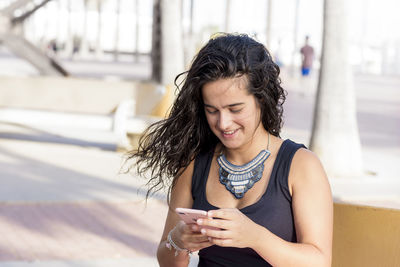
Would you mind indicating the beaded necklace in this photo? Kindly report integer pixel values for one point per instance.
(238, 179)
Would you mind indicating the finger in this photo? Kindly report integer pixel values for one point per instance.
(198, 239)
(222, 242)
(226, 214)
(182, 227)
(215, 223)
(192, 235)
(215, 233)
(195, 228)
(187, 228)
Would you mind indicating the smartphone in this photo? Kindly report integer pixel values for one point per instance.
(190, 216)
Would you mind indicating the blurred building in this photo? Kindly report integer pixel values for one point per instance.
(121, 30)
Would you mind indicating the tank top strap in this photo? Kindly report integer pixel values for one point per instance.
(202, 164)
(283, 163)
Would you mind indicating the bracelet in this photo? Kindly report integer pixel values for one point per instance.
(171, 244)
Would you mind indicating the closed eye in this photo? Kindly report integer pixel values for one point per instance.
(236, 110)
(211, 111)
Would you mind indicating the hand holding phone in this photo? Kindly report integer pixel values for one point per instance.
(190, 216)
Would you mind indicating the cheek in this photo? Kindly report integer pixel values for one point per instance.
(251, 119)
(210, 120)
(246, 118)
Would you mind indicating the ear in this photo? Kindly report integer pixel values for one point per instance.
(260, 101)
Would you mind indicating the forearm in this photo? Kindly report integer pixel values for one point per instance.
(166, 257)
(279, 252)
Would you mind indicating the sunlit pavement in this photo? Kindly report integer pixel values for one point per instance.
(70, 204)
(65, 202)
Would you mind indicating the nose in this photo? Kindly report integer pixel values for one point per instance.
(224, 121)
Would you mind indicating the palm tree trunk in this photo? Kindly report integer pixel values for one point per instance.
(137, 28)
(335, 138)
(168, 61)
(156, 60)
(172, 43)
(117, 38)
(69, 39)
(84, 47)
(99, 50)
(228, 5)
(269, 22)
(189, 38)
(295, 32)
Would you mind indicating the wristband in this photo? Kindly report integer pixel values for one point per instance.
(171, 244)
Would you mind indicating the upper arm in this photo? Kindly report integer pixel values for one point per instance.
(181, 196)
(311, 201)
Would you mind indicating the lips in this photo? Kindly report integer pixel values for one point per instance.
(228, 134)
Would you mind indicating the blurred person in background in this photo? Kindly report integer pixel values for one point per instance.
(307, 57)
(220, 151)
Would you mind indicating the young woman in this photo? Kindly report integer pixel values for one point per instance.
(220, 151)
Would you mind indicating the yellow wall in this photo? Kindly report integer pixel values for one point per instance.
(365, 236)
(163, 108)
(77, 94)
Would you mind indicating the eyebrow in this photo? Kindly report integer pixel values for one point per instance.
(229, 106)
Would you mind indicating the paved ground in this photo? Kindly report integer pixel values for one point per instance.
(67, 204)
(64, 202)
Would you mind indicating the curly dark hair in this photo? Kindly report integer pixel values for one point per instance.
(168, 146)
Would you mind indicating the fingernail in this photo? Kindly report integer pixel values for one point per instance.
(199, 221)
(209, 214)
(203, 231)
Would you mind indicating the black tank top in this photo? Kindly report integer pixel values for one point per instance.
(273, 210)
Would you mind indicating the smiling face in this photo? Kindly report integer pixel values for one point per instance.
(232, 112)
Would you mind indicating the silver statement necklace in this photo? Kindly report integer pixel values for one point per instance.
(238, 179)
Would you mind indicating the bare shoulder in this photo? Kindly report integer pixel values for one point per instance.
(183, 183)
(305, 159)
(306, 168)
(187, 172)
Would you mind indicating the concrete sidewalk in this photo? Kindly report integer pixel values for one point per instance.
(67, 204)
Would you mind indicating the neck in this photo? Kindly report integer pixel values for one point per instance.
(248, 151)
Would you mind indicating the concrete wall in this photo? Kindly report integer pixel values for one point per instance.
(77, 95)
(365, 236)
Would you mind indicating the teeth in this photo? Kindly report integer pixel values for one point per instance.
(230, 132)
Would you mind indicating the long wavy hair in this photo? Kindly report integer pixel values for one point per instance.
(167, 147)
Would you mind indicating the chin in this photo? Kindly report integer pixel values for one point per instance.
(231, 145)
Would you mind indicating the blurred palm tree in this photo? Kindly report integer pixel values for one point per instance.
(84, 46)
(269, 24)
(228, 6)
(69, 46)
(12, 17)
(335, 137)
(167, 44)
(117, 29)
(136, 52)
(98, 48)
